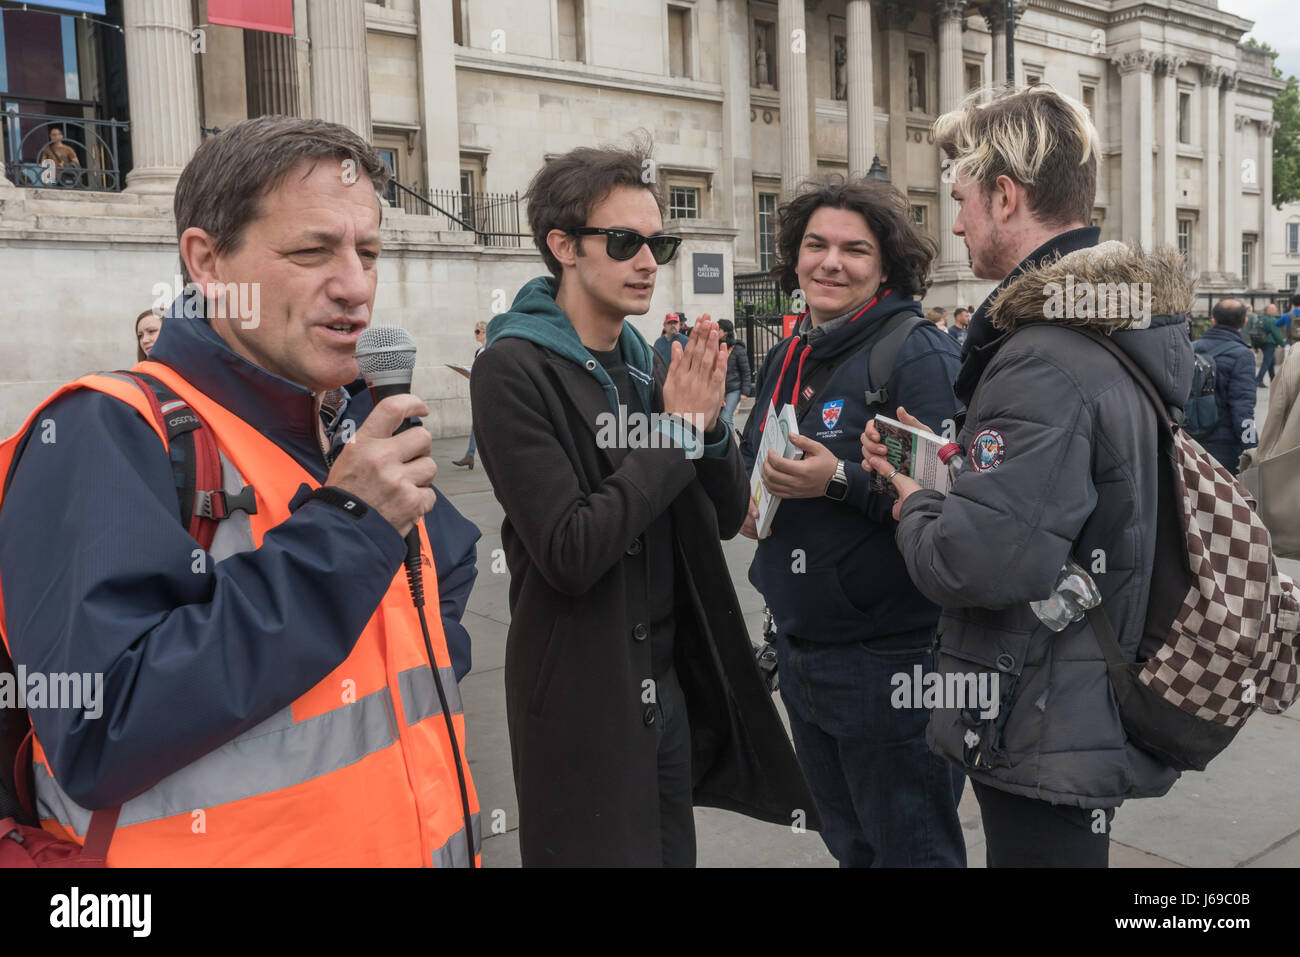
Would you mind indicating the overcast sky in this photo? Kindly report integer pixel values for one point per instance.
(1274, 25)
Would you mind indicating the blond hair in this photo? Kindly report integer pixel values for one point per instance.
(1037, 136)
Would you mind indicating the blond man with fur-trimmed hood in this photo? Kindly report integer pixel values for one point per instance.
(1060, 461)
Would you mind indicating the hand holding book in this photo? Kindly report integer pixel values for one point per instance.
(876, 456)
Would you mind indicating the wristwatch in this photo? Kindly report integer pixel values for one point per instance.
(838, 487)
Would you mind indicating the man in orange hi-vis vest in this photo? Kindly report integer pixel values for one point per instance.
(271, 697)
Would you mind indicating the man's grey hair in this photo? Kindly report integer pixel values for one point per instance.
(221, 188)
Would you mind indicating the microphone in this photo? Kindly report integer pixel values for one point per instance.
(386, 358)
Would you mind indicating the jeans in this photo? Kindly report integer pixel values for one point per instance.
(1025, 832)
(470, 451)
(729, 404)
(885, 800)
(1267, 365)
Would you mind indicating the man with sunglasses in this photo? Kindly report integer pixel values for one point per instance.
(631, 693)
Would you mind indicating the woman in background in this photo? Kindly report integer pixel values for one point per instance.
(147, 327)
(740, 381)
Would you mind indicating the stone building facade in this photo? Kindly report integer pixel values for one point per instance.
(742, 98)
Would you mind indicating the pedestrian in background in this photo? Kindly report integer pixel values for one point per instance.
(740, 381)
(1234, 365)
(671, 333)
(467, 460)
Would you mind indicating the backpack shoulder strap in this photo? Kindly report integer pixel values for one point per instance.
(1163, 415)
(884, 352)
(1215, 351)
(196, 463)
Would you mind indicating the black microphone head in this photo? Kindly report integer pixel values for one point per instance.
(386, 355)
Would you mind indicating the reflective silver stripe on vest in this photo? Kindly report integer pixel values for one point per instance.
(420, 697)
(271, 756)
(454, 852)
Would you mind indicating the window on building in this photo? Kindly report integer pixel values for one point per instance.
(1185, 239)
(918, 214)
(1247, 261)
(568, 18)
(684, 202)
(1184, 116)
(974, 77)
(389, 156)
(1033, 79)
(766, 230)
(679, 41)
(1090, 101)
(1293, 239)
(1293, 281)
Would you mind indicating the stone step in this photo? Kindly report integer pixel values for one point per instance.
(95, 227)
(120, 204)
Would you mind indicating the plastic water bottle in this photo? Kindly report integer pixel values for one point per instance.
(1074, 594)
(950, 455)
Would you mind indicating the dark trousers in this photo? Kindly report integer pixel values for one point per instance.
(1226, 454)
(1025, 832)
(1267, 365)
(676, 804)
(885, 800)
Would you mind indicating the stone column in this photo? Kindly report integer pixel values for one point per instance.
(995, 15)
(862, 106)
(1167, 179)
(340, 83)
(271, 69)
(894, 18)
(1265, 161)
(1211, 80)
(1138, 123)
(162, 91)
(949, 14)
(737, 149)
(1230, 203)
(441, 119)
(796, 148)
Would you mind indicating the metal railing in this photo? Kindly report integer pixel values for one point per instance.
(760, 304)
(32, 160)
(493, 218)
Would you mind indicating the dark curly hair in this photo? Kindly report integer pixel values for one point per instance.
(907, 251)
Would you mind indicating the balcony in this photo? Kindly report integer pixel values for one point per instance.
(84, 155)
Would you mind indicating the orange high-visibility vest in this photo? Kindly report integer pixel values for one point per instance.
(358, 771)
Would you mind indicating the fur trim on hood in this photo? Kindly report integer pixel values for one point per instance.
(1108, 287)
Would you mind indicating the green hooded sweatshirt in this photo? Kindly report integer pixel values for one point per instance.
(535, 316)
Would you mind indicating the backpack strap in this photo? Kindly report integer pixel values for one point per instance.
(1215, 351)
(884, 352)
(196, 463)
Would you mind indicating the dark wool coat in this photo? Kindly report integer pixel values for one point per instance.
(577, 654)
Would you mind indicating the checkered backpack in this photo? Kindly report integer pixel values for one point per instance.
(1222, 620)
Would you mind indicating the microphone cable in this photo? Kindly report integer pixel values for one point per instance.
(415, 581)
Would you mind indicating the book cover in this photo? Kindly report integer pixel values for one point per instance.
(776, 438)
(913, 452)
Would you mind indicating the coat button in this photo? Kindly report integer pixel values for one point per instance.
(635, 547)
(649, 717)
(1005, 662)
(639, 632)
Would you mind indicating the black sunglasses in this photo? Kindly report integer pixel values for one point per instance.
(623, 244)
